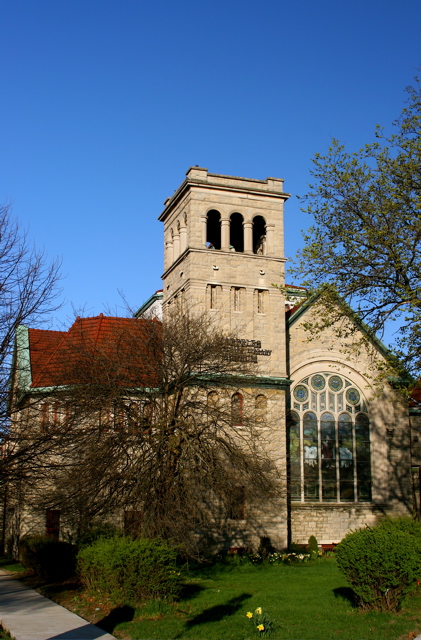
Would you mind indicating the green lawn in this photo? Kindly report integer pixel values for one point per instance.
(8, 564)
(305, 602)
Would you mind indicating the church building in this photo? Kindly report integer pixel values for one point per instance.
(343, 443)
(340, 441)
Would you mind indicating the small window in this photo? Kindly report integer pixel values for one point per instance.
(237, 410)
(261, 300)
(104, 418)
(147, 417)
(133, 523)
(236, 504)
(236, 298)
(52, 523)
(213, 295)
(57, 416)
(237, 294)
(133, 417)
(46, 415)
(213, 401)
(119, 417)
(261, 408)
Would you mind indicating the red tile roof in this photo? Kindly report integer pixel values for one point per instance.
(415, 397)
(122, 350)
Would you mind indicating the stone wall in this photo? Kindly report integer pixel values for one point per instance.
(331, 522)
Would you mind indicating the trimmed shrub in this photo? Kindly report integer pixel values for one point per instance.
(97, 531)
(48, 558)
(313, 548)
(265, 548)
(130, 570)
(381, 564)
(406, 525)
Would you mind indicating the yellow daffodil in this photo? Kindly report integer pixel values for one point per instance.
(260, 627)
(249, 614)
(259, 611)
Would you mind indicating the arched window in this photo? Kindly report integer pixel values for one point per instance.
(329, 441)
(104, 418)
(212, 402)
(237, 410)
(120, 417)
(45, 415)
(147, 414)
(259, 235)
(236, 503)
(133, 417)
(213, 399)
(213, 229)
(237, 232)
(261, 404)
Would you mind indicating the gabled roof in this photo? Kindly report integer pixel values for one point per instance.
(292, 315)
(124, 350)
(156, 297)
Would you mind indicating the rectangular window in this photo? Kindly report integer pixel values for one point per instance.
(236, 507)
(261, 300)
(133, 523)
(52, 523)
(237, 294)
(104, 418)
(213, 295)
(119, 417)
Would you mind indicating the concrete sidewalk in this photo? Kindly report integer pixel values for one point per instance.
(27, 615)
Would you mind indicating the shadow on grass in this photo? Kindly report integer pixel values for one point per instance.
(6, 560)
(117, 615)
(217, 613)
(346, 593)
(190, 591)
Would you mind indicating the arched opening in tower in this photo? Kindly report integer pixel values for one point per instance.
(237, 232)
(213, 230)
(259, 235)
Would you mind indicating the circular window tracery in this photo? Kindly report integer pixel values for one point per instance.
(335, 383)
(352, 396)
(301, 393)
(318, 382)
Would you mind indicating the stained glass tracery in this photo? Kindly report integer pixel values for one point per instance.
(329, 445)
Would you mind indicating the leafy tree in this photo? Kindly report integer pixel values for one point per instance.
(365, 244)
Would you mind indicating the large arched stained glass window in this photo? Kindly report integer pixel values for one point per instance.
(329, 441)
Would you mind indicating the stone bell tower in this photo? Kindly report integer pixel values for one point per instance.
(224, 248)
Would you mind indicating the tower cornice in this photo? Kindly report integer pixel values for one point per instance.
(199, 177)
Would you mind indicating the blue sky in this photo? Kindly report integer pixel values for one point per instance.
(106, 103)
